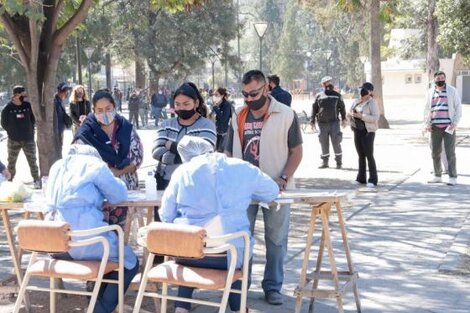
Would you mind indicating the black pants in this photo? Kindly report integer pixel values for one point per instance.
(364, 142)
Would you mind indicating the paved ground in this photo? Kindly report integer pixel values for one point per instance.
(410, 240)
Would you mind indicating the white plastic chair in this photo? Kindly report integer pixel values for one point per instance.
(44, 237)
(187, 241)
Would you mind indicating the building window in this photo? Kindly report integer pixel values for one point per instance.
(418, 79)
(408, 79)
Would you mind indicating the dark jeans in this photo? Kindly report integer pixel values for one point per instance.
(208, 262)
(108, 295)
(220, 142)
(364, 142)
(437, 136)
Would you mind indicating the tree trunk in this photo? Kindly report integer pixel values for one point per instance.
(108, 71)
(432, 58)
(375, 59)
(139, 73)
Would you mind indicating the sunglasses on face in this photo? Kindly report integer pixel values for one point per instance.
(253, 93)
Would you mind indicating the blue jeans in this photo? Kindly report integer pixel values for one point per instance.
(108, 295)
(207, 262)
(276, 231)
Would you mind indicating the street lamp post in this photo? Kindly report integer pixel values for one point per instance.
(89, 52)
(260, 31)
(327, 55)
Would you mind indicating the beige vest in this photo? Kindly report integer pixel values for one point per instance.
(273, 141)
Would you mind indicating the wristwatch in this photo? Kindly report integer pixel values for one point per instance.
(284, 177)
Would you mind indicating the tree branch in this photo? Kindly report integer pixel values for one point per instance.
(61, 34)
(14, 37)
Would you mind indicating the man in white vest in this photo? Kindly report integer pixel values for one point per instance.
(266, 133)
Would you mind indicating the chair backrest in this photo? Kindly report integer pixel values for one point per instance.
(169, 239)
(43, 236)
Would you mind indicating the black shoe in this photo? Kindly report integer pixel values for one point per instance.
(274, 298)
(339, 166)
(323, 166)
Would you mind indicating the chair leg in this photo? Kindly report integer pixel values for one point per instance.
(164, 299)
(94, 295)
(143, 284)
(52, 295)
(21, 293)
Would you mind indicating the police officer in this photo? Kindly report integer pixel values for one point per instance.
(326, 109)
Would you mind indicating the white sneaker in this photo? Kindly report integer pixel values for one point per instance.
(452, 181)
(355, 182)
(435, 180)
(371, 185)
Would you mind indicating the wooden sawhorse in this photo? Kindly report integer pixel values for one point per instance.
(349, 277)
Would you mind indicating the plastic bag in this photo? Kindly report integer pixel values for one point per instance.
(14, 192)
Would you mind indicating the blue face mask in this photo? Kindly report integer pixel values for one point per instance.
(106, 118)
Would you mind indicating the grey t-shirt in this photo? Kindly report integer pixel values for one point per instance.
(251, 137)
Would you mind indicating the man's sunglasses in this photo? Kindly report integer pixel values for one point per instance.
(253, 93)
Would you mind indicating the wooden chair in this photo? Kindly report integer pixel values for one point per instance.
(44, 237)
(186, 241)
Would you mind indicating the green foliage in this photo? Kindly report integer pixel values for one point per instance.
(176, 45)
(454, 26)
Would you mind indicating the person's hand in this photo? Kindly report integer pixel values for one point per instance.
(82, 118)
(356, 115)
(344, 123)
(281, 183)
(116, 172)
(6, 173)
(314, 128)
(428, 128)
(168, 144)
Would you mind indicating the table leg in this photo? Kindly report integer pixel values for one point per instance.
(149, 215)
(14, 255)
(308, 248)
(331, 259)
(321, 250)
(342, 226)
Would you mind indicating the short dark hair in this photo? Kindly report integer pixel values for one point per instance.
(253, 75)
(368, 86)
(103, 93)
(439, 73)
(274, 79)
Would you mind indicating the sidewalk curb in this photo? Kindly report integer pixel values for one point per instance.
(457, 259)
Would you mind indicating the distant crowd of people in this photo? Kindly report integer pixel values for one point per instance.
(255, 149)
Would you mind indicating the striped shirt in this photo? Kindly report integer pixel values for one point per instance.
(172, 130)
(440, 109)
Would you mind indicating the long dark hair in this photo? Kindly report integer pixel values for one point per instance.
(189, 89)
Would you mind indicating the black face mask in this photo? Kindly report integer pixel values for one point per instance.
(255, 105)
(329, 87)
(440, 83)
(364, 92)
(185, 114)
(21, 98)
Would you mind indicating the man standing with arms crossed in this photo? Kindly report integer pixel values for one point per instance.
(325, 110)
(266, 133)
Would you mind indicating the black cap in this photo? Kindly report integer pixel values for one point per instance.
(368, 86)
(18, 89)
(63, 87)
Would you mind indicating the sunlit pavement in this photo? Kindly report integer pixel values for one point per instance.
(409, 241)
